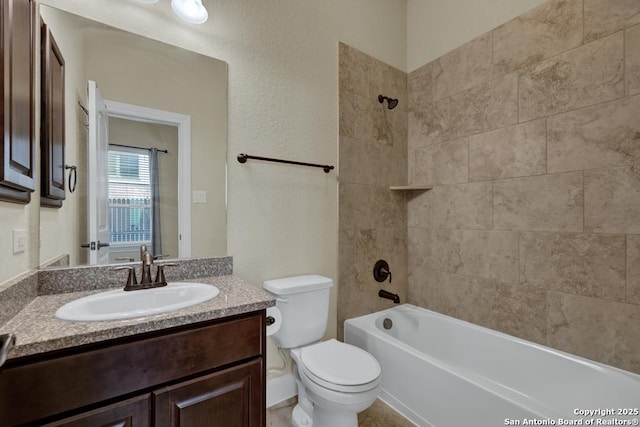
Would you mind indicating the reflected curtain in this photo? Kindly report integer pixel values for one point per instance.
(156, 238)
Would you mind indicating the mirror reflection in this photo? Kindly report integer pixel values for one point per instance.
(145, 125)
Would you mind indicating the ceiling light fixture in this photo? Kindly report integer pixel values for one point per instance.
(191, 11)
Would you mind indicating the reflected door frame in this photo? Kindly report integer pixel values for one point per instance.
(183, 123)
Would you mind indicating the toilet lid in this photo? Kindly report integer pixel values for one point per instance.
(339, 363)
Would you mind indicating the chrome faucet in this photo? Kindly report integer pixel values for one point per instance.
(145, 282)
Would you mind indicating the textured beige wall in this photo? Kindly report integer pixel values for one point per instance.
(373, 155)
(283, 102)
(435, 27)
(531, 138)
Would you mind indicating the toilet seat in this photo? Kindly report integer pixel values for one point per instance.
(340, 367)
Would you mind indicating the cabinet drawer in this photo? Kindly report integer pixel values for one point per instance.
(41, 389)
(130, 413)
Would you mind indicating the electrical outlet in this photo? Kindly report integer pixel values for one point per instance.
(19, 241)
(199, 197)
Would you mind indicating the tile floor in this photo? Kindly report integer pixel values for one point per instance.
(378, 415)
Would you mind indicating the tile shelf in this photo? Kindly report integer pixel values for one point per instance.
(410, 187)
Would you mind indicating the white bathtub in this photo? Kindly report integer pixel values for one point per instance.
(440, 371)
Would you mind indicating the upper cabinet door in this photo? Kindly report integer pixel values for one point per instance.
(17, 166)
(52, 140)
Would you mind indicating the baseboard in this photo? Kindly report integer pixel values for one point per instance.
(280, 389)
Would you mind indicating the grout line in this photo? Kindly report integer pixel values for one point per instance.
(493, 206)
(583, 24)
(626, 268)
(624, 62)
(519, 279)
(546, 146)
(584, 205)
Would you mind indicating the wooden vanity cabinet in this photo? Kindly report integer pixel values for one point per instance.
(208, 374)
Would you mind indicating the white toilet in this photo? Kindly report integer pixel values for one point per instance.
(335, 380)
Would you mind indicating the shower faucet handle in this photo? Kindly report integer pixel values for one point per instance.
(381, 271)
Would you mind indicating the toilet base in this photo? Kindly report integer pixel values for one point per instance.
(301, 418)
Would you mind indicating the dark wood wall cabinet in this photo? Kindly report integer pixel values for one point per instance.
(17, 167)
(52, 142)
(209, 374)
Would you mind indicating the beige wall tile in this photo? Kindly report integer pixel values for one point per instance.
(485, 254)
(370, 206)
(612, 201)
(540, 203)
(464, 67)
(347, 251)
(549, 29)
(584, 76)
(600, 136)
(604, 17)
(355, 117)
(387, 209)
(353, 70)
(487, 106)
(521, 311)
(371, 163)
(442, 163)
(354, 206)
(371, 245)
(467, 206)
(515, 310)
(599, 330)
(420, 84)
(632, 59)
(514, 151)
(355, 300)
(582, 264)
(633, 269)
(429, 123)
(388, 81)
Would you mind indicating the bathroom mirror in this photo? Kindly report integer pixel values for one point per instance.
(156, 96)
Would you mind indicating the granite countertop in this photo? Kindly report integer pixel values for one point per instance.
(38, 330)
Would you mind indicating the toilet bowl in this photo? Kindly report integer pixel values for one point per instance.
(335, 380)
(339, 380)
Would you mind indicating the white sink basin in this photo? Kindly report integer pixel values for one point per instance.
(115, 305)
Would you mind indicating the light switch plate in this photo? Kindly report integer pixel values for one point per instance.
(19, 241)
(199, 197)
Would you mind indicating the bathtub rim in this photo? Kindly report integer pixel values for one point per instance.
(356, 321)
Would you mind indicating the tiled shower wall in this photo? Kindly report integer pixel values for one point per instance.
(373, 156)
(530, 135)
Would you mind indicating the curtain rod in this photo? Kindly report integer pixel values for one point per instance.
(139, 148)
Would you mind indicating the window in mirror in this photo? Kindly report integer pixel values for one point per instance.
(129, 198)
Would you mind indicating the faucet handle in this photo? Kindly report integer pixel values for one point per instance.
(131, 278)
(160, 279)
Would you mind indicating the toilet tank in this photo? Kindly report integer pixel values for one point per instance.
(304, 304)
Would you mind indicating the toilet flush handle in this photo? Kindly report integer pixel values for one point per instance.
(282, 300)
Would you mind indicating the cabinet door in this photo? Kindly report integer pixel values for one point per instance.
(230, 398)
(129, 413)
(52, 166)
(17, 151)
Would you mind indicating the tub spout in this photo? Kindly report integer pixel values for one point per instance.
(388, 295)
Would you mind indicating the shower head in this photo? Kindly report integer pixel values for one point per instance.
(391, 102)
